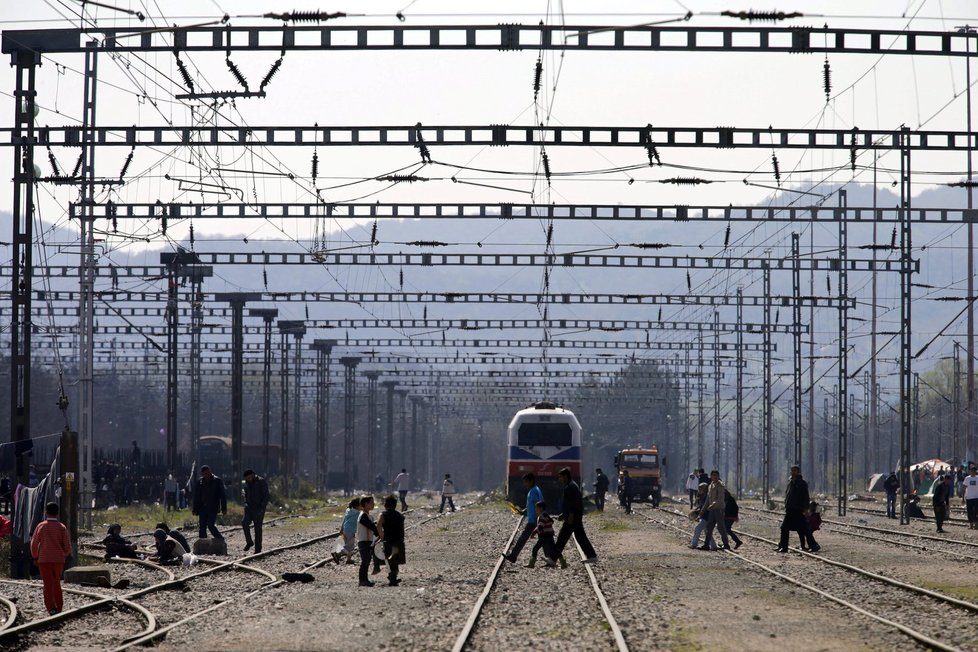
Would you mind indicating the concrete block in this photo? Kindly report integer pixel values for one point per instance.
(210, 547)
(87, 574)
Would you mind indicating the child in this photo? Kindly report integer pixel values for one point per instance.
(813, 521)
(545, 539)
(366, 533)
(348, 533)
(49, 548)
(391, 526)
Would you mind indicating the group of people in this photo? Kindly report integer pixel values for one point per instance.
(540, 523)
(944, 491)
(359, 534)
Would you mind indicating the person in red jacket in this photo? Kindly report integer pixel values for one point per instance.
(49, 548)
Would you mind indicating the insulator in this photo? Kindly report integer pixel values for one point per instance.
(187, 80)
(237, 74)
(271, 73)
(424, 315)
(373, 233)
(54, 164)
(752, 15)
(125, 166)
(650, 146)
(650, 245)
(726, 238)
(427, 243)
(315, 166)
(963, 184)
(264, 278)
(689, 282)
(307, 312)
(401, 275)
(893, 238)
(78, 165)
(660, 317)
(852, 149)
(423, 150)
(537, 77)
(777, 168)
(828, 285)
(402, 178)
(546, 281)
(827, 79)
(550, 234)
(777, 316)
(685, 181)
(546, 166)
(305, 16)
(115, 225)
(163, 224)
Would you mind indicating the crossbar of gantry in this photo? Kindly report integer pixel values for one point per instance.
(276, 37)
(607, 325)
(427, 343)
(592, 261)
(490, 135)
(507, 211)
(117, 296)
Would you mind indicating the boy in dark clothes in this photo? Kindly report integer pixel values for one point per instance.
(366, 533)
(182, 540)
(545, 538)
(391, 526)
(116, 545)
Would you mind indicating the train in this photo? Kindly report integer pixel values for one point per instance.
(542, 438)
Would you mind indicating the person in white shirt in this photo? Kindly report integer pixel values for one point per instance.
(402, 483)
(970, 485)
(447, 491)
(692, 486)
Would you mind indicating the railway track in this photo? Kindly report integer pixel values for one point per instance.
(467, 637)
(877, 532)
(159, 619)
(909, 605)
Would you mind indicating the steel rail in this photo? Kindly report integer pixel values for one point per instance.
(904, 544)
(469, 627)
(11, 613)
(916, 535)
(152, 636)
(963, 604)
(918, 636)
(615, 628)
(101, 602)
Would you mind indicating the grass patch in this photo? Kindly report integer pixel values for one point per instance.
(615, 526)
(682, 638)
(969, 592)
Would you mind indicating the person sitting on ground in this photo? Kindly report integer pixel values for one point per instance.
(117, 546)
(348, 533)
(169, 552)
(390, 525)
(182, 540)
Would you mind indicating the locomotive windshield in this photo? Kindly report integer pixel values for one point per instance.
(544, 434)
(640, 461)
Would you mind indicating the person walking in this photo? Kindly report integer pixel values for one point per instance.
(891, 485)
(940, 501)
(625, 490)
(970, 496)
(169, 493)
(348, 533)
(699, 514)
(601, 484)
(255, 494)
(545, 539)
(533, 496)
(209, 497)
(716, 505)
(403, 484)
(692, 487)
(572, 517)
(49, 549)
(731, 513)
(390, 525)
(796, 502)
(447, 492)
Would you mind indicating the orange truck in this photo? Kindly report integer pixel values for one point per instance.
(642, 464)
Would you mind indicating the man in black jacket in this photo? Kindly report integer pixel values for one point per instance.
(255, 493)
(573, 517)
(941, 499)
(891, 485)
(796, 501)
(600, 489)
(209, 497)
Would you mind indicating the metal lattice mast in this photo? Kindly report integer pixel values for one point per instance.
(766, 447)
(739, 408)
(843, 461)
(716, 393)
(349, 422)
(268, 315)
(906, 333)
(796, 341)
